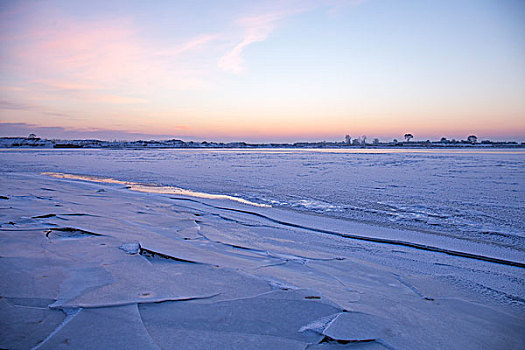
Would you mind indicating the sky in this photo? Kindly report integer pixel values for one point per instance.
(263, 71)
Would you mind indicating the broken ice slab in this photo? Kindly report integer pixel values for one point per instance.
(93, 272)
(25, 322)
(69, 233)
(258, 238)
(332, 344)
(271, 320)
(131, 248)
(356, 326)
(107, 276)
(117, 327)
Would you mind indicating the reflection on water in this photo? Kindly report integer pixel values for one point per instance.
(151, 188)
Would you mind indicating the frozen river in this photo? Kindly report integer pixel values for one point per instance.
(403, 249)
(474, 194)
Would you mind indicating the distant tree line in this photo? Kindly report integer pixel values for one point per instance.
(33, 141)
(472, 139)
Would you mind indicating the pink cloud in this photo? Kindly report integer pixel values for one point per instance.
(59, 85)
(116, 99)
(106, 54)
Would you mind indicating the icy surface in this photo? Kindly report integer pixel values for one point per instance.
(474, 193)
(91, 264)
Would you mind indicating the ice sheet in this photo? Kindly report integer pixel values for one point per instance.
(81, 256)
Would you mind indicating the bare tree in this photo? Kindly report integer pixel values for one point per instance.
(408, 137)
(472, 139)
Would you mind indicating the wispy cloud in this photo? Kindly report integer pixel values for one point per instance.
(90, 70)
(257, 28)
(17, 106)
(61, 85)
(193, 44)
(24, 129)
(117, 99)
(254, 29)
(99, 54)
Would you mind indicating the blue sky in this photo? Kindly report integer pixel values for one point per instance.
(263, 70)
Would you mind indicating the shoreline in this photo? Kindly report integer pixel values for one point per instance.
(391, 236)
(283, 147)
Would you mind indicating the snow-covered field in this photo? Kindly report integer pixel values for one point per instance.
(405, 249)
